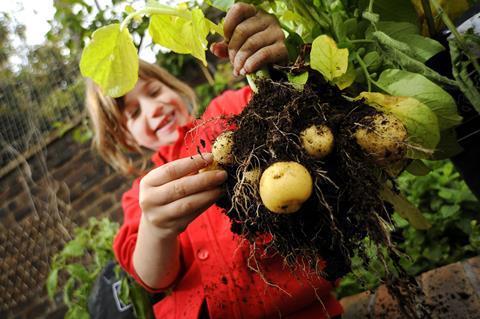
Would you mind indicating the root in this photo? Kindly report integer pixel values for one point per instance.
(345, 208)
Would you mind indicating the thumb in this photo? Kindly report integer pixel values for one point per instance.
(220, 49)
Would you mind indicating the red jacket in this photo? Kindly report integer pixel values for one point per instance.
(215, 261)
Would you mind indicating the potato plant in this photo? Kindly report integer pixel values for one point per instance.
(356, 105)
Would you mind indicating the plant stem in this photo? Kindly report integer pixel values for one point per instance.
(363, 66)
(311, 14)
(427, 10)
(361, 41)
(458, 37)
(370, 6)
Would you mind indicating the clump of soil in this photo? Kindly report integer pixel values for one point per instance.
(345, 205)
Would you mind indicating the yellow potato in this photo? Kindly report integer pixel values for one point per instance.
(317, 140)
(285, 186)
(383, 138)
(222, 148)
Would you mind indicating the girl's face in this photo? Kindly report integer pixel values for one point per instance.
(153, 112)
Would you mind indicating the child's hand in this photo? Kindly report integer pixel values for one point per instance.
(172, 195)
(252, 39)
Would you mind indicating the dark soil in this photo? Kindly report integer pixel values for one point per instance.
(345, 206)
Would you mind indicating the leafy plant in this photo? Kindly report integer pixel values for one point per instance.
(450, 208)
(80, 262)
(111, 59)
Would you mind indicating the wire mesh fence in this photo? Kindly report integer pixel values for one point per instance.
(31, 110)
(39, 98)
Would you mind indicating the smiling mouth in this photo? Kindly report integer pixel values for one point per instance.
(166, 122)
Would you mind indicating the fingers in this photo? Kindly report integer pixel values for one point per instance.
(176, 216)
(191, 206)
(270, 54)
(237, 13)
(249, 35)
(184, 187)
(176, 170)
(220, 49)
(254, 44)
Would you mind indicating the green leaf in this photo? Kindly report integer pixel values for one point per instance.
(223, 5)
(448, 145)
(78, 271)
(52, 282)
(347, 79)
(77, 312)
(462, 74)
(74, 248)
(111, 60)
(395, 10)
(403, 83)
(418, 168)
(420, 122)
(299, 80)
(373, 61)
(183, 35)
(141, 302)
(405, 209)
(447, 211)
(424, 48)
(293, 44)
(401, 55)
(124, 294)
(68, 290)
(327, 58)
(129, 9)
(338, 25)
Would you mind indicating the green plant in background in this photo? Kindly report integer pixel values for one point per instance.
(451, 209)
(81, 261)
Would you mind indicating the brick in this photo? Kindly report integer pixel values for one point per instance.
(99, 208)
(84, 202)
(22, 213)
(60, 155)
(450, 293)
(58, 313)
(357, 306)
(114, 183)
(3, 213)
(79, 160)
(40, 307)
(11, 188)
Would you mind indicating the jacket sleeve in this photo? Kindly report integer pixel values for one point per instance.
(126, 238)
(230, 102)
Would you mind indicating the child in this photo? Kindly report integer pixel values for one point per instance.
(172, 237)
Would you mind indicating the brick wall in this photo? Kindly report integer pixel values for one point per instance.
(42, 199)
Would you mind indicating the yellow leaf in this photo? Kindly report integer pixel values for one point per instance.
(327, 58)
(346, 79)
(421, 123)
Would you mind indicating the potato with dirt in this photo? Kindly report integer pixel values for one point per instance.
(383, 137)
(285, 186)
(317, 140)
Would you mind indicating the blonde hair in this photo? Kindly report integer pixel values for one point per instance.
(112, 139)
